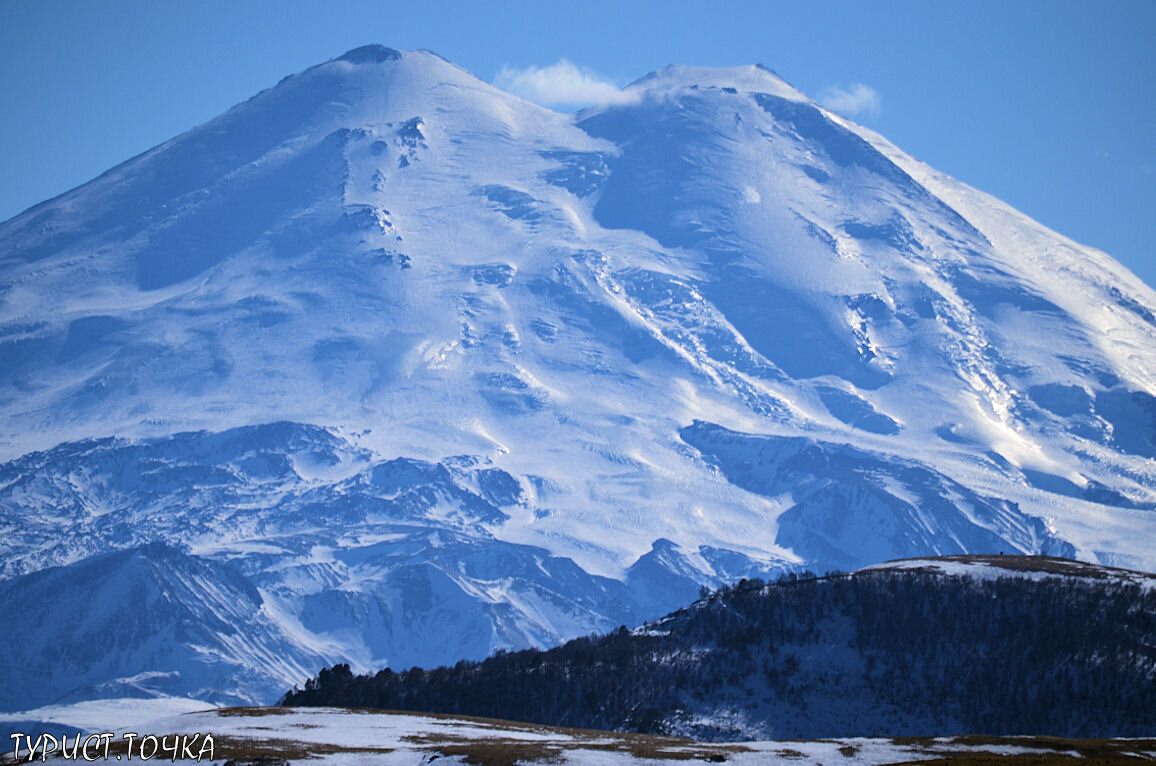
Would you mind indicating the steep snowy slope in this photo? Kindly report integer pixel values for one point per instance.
(407, 352)
(145, 622)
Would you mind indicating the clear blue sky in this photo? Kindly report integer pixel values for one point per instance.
(1047, 105)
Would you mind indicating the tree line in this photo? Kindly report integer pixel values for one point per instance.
(874, 653)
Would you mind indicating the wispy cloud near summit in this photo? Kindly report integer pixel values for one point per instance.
(855, 100)
(560, 84)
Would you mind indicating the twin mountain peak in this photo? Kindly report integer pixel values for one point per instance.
(385, 349)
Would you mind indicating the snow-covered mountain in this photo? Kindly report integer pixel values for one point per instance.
(424, 370)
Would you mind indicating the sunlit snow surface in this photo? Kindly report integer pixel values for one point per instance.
(397, 368)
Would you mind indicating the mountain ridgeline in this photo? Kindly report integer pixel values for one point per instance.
(953, 645)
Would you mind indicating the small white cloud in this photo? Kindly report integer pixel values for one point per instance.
(855, 100)
(560, 84)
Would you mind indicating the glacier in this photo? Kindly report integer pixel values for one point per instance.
(387, 366)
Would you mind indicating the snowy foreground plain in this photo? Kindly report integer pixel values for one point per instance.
(351, 736)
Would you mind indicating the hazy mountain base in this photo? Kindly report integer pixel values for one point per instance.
(287, 548)
(1002, 645)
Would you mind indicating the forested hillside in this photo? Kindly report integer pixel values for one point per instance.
(994, 645)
